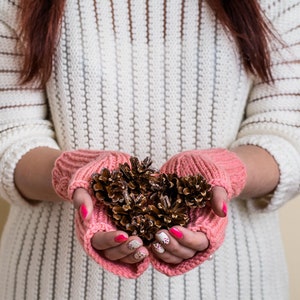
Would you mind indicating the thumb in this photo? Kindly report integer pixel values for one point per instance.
(83, 202)
(219, 201)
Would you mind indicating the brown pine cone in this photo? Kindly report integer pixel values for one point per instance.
(140, 200)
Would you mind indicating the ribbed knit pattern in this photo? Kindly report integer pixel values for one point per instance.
(74, 169)
(101, 222)
(66, 166)
(220, 168)
(148, 78)
(107, 159)
(206, 221)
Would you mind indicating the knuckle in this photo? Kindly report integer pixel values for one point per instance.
(108, 255)
(188, 255)
(172, 248)
(201, 242)
(203, 245)
(95, 243)
(123, 251)
(173, 260)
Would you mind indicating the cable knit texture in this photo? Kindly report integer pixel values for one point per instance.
(149, 78)
(219, 167)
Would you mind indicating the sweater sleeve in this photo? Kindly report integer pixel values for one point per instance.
(23, 109)
(273, 112)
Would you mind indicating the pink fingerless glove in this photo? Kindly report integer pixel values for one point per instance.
(219, 167)
(65, 167)
(73, 170)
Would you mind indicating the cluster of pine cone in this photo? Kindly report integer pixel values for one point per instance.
(140, 200)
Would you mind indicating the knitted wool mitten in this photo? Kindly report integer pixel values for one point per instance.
(219, 167)
(73, 170)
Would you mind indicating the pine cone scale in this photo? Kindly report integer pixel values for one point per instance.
(141, 201)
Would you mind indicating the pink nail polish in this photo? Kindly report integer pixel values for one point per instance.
(121, 238)
(176, 233)
(83, 211)
(224, 208)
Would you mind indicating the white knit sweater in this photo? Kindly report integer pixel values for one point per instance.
(150, 78)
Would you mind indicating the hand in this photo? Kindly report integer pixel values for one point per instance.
(73, 169)
(114, 245)
(94, 228)
(205, 233)
(180, 243)
(117, 246)
(221, 168)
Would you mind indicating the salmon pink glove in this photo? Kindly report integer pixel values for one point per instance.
(65, 167)
(219, 167)
(73, 170)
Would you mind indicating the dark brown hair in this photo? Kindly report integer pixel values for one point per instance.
(40, 22)
(41, 19)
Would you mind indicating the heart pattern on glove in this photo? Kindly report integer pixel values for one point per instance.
(140, 200)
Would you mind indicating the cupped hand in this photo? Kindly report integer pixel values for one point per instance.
(179, 243)
(117, 246)
(171, 246)
(114, 245)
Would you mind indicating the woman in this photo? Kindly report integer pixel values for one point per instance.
(201, 87)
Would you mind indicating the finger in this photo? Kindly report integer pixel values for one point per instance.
(190, 239)
(105, 240)
(219, 201)
(117, 246)
(83, 202)
(125, 249)
(169, 249)
(164, 255)
(135, 257)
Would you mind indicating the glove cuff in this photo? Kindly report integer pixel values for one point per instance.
(219, 167)
(233, 166)
(66, 165)
(107, 159)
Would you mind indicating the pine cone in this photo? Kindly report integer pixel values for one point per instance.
(140, 200)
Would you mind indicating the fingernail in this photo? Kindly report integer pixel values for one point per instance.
(224, 208)
(139, 255)
(158, 248)
(134, 244)
(83, 211)
(121, 238)
(176, 233)
(163, 238)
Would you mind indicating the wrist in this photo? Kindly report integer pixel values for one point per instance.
(262, 170)
(33, 174)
